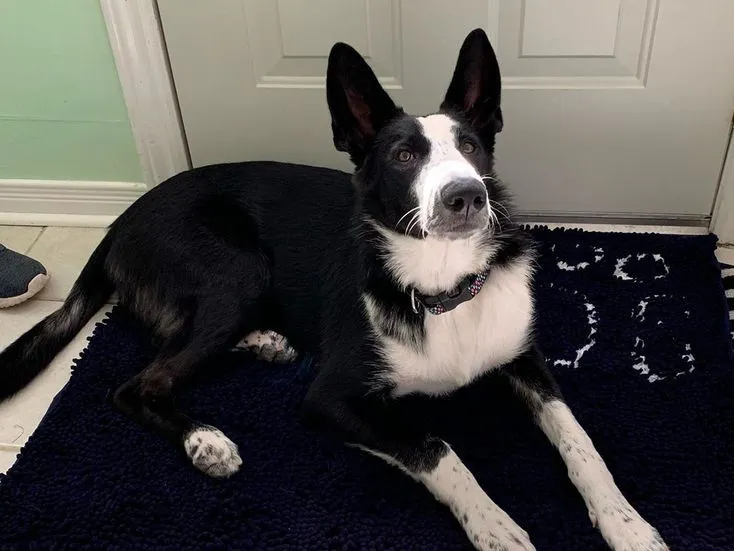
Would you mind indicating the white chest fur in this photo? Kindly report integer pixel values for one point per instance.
(478, 335)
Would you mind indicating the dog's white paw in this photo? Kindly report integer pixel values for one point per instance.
(269, 346)
(212, 452)
(625, 530)
(489, 528)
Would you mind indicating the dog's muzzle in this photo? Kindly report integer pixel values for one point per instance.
(461, 208)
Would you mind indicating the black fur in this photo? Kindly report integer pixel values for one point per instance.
(220, 251)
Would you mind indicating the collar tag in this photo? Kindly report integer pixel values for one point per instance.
(414, 301)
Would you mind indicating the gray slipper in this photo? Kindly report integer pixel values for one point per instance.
(21, 277)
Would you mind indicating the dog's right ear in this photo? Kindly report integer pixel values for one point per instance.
(358, 104)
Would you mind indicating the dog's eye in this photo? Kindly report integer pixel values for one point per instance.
(404, 155)
(468, 148)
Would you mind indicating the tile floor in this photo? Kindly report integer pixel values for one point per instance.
(64, 251)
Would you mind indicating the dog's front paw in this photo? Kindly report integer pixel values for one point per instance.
(625, 530)
(491, 529)
(269, 346)
(212, 452)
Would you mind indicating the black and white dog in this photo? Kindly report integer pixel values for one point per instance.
(412, 278)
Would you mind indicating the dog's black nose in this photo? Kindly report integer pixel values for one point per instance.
(464, 195)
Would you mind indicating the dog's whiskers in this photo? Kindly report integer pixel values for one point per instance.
(499, 207)
(413, 222)
(493, 220)
(406, 214)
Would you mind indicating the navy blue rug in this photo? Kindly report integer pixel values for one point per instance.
(636, 331)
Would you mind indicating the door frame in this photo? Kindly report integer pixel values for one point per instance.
(722, 219)
(138, 46)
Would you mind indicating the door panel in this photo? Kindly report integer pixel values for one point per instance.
(611, 106)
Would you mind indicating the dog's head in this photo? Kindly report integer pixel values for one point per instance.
(430, 175)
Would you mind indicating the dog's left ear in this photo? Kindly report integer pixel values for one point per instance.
(358, 104)
(476, 86)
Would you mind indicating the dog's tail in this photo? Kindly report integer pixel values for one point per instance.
(33, 351)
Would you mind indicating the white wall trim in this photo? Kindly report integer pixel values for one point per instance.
(57, 220)
(140, 54)
(65, 202)
(722, 220)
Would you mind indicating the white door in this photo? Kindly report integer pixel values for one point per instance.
(610, 106)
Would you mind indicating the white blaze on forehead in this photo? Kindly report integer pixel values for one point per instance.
(445, 162)
(439, 130)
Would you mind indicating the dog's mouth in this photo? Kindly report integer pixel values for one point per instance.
(452, 229)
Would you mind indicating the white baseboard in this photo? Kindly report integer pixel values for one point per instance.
(65, 202)
(617, 227)
(97, 204)
(725, 254)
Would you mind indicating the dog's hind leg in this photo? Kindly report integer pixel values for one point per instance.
(149, 396)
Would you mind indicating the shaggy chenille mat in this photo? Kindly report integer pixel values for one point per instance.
(635, 328)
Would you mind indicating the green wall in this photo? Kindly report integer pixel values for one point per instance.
(62, 116)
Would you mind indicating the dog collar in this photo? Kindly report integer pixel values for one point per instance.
(446, 301)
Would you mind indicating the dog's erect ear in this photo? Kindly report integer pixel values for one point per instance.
(358, 104)
(476, 86)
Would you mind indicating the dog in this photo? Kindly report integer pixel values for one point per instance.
(410, 278)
